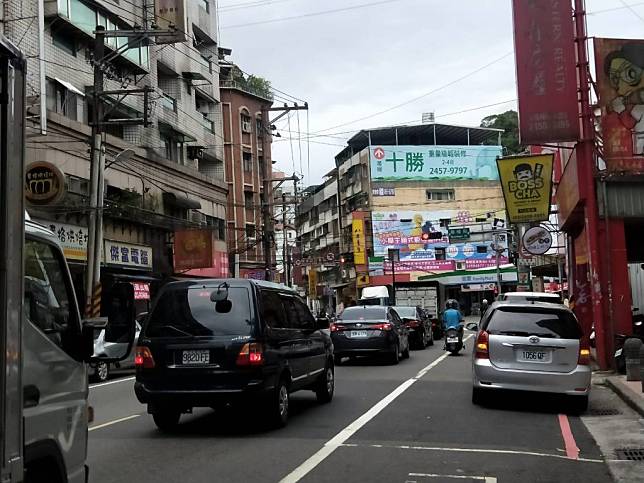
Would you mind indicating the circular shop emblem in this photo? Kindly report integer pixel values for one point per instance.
(44, 183)
(451, 251)
(537, 240)
(379, 153)
(468, 250)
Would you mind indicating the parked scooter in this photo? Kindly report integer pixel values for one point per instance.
(620, 339)
(453, 341)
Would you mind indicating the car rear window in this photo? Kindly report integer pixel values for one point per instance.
(553, 299)
(406, 312)
(364, 313)
(188, 312)
(543, 323)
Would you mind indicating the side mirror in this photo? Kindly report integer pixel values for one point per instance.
(472, 326)
(113, 336)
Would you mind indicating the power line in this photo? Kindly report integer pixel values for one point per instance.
(632, 10)
(252, 4)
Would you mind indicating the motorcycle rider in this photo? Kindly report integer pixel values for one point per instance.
(452, 319)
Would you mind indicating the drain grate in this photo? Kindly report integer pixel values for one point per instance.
(603, 412)
(630, 454)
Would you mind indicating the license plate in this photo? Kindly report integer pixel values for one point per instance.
(452, 339)
(534, 356)
(195, 357)
(359, 334)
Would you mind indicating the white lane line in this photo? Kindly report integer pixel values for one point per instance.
(470, 450)
(338, 440)
(116, 421)
(486, 479)
(117, 381)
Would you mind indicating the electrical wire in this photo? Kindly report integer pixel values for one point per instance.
(299, 138)
(291, 141)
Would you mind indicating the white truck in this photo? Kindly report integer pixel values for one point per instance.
(425, 297)
(44, 344)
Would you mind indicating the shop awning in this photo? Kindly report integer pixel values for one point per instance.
(181, 201)
(69, 86)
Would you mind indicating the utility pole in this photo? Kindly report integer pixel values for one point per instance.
(497, 250)
(268, 233)
(284, 241)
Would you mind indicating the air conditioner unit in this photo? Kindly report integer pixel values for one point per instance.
(460, 265)
(246, 126)
(198, 217)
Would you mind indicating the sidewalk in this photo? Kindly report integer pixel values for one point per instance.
(630, 391)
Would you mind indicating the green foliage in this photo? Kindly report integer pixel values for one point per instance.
(254, 84)
(509, 122)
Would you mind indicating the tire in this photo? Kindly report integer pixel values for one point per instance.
(579, 404)
(479, 396)
(101, 372)
(337, 360)
(431, 337)
(325, 387)
(421, 342)
(278, 404)
(405, 353)
(167, 420)
(394, 358)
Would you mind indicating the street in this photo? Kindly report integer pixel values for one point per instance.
(410, 422)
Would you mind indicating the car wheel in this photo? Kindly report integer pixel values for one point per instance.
(337, 360)
(394, 358)
(405, 353)
(278, 403)
(431, 338)
(326, 385)
(421, 341)
(579, 404)
(166, 420)
(101, 372)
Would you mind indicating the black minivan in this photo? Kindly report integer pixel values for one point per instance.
(208, 343)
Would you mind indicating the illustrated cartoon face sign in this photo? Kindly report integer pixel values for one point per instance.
(523, 172)
(625, 77)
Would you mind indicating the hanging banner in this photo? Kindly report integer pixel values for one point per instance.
(313, 283)
(546, 73)
(620, 80)
(527, 187)
(192, 249)
(359, 245)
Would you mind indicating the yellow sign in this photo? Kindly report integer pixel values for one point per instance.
(359, 246)
(527, 186)
(362, 281)
(313, 283)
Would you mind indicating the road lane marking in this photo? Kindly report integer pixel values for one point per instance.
(116, 421)
(338, 440)
(572, 451)
(471, 450)
(117, 381)
(486, 479)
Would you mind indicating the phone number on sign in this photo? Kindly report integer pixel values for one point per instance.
(454, 170)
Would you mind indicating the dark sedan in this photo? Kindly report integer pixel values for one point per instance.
(419, 325)
(370, 330)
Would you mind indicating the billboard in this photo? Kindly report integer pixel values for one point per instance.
(192, 249)
(419, 163)
(546, 71)
(527, 187)
(413, 234)
(620, 81)
(359, 245)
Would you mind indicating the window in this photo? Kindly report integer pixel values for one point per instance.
(190, 312)
(77, 185)
(272, 310)
(168, 102)
(481, 248)
(245, 123)
(291, 313)
(173, 148)
(248, 200)
(64, 42)
(440, 254)
(364, 313)
(250, 231)
(552, 324)
(440, 195)
(260, 164)
(304, 314)
(46, 301)
(205, 4)
(259, 127)
(61, 100)
(248, 162)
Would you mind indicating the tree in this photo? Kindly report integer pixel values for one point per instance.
(254, 84)
(509, 122)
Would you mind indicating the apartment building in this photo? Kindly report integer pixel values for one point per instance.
(247, 152)
(172, 177)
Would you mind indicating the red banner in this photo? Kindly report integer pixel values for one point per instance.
(546, 72)
(192, 249)
(620, 81)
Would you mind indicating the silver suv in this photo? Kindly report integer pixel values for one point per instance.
(531, 347)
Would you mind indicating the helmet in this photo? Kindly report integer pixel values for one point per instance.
(485, 302)
(452, 304)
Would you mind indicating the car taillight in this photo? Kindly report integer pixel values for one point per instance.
(251, 354)
(386, 326)
(482, 345)
(336, 327)
(584, 353)
(143, 358)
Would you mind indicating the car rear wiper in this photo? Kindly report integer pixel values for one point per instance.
(176, 329)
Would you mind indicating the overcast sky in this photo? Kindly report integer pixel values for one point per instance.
(352, 64)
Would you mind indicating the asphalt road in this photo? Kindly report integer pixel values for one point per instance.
(408, 423)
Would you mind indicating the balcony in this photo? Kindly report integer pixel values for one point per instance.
(245, 87)
(83, 18)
